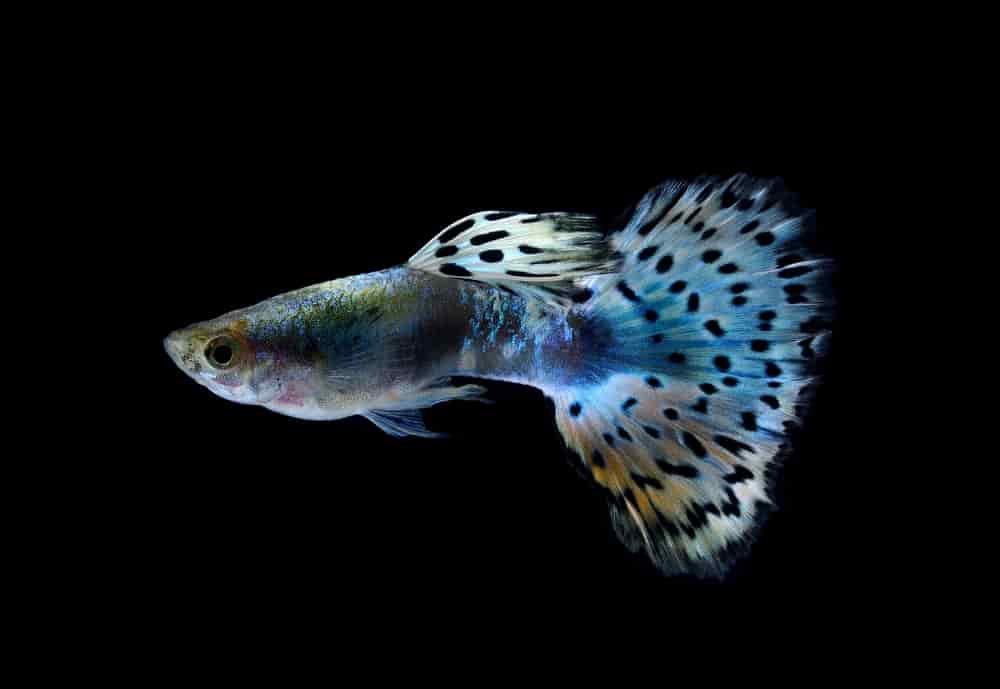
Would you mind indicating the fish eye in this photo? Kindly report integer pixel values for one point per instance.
(221, 352)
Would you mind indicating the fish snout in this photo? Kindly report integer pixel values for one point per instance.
(175, 344)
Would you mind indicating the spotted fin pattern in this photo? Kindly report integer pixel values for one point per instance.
(537, 256)
(718, 315)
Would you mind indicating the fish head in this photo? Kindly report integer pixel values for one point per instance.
(221, 356)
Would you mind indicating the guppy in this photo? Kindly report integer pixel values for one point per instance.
(677, 348)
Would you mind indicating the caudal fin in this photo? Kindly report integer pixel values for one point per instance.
(717, 318)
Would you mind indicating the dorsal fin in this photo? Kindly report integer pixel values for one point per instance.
(536, 255)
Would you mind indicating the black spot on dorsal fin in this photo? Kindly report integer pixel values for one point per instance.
(456, 230)
(488, 237)
(454, 270)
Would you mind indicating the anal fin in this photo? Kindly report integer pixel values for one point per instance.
(401, 416)
(401, 423)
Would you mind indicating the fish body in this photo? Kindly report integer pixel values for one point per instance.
(676, 348)
(347, 346)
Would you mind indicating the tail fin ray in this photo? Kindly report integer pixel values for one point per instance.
(719, 314)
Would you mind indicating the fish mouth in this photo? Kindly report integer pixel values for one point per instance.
(175, 344)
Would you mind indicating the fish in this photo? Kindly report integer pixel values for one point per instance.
(678, 348)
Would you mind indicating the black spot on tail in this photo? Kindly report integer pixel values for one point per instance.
(788, 259)
(694, 445)
(664, 264)
(446, 251)
(732, 445)
(491, 256)
(795, 294)
(739, 475)
(713, 327)
(705, 193)
(728, 197)
(684, 470)
(647, 253)
(643, 482)
(653, 222)
(629, 496)
(731, 508)
(627, 292)
(696, 516)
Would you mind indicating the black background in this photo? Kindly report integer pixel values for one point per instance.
(238, 179)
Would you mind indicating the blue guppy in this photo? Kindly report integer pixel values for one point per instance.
(678, 349)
